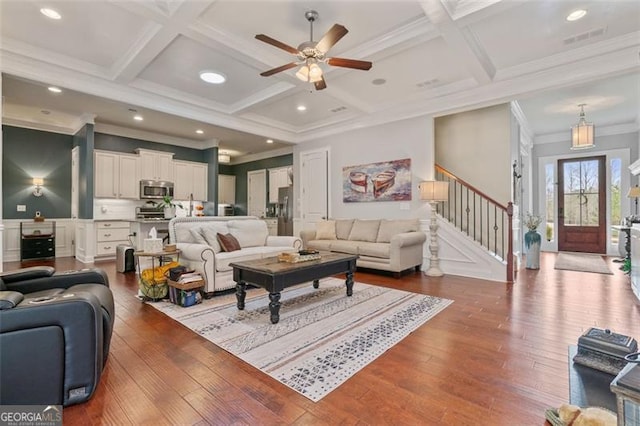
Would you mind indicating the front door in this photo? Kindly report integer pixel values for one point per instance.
(582, 205)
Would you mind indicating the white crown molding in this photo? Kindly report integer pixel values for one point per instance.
(36, 125)
(615, 129)
(262, 155)
(525, 127)
(126, 132)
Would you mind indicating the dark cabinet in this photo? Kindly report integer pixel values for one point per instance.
(37, 240)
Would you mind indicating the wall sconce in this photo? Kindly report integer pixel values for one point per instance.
(38, 182)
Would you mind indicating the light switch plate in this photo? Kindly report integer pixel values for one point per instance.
(22, 208)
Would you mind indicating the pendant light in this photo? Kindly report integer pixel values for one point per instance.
(582, 133)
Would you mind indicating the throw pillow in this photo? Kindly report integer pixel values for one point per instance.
(228, 242)
(326, 230)
(389, 228)
(196, 236)
(343, 228)
(364, 230)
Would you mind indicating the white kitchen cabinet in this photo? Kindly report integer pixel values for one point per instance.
(116, 175)
(190, 178)
(226, 189)
(155, 165)
(278, 178)
(108, 235)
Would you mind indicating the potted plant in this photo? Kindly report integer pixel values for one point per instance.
(167, 205)
(532, 240)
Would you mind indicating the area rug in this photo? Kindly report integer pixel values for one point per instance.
(323, 337)
(582, 262)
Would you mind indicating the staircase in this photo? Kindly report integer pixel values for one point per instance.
(482, 219)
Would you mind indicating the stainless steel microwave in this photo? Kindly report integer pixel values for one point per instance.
(155, 189)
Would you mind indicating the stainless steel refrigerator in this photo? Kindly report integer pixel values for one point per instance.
(285, 210)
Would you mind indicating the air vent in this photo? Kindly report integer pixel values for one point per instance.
(340, 108)
(597, 32)
(428, 83)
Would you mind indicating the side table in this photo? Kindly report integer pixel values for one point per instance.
(157, 288)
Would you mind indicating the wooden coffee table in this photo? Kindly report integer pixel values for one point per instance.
(274, 276)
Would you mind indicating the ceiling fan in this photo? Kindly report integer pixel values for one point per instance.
(310, 53)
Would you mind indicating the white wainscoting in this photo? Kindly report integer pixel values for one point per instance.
(65, 238)
(85, 241)
(460, 255)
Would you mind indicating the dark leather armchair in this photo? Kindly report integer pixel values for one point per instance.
(55, 330)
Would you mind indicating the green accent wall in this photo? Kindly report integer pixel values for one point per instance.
(26, 154)
(240, 171)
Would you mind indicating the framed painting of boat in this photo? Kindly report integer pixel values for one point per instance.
(385, 181)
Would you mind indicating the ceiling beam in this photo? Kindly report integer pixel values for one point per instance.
(461, 40)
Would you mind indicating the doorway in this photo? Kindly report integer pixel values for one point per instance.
(257, 193)
(582, 205)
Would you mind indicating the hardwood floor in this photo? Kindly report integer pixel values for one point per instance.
(496, 356)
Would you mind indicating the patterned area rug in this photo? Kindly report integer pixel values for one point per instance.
(582, 262)
(323, 337)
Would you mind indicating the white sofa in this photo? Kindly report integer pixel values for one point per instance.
(388, 245)
(195, 237)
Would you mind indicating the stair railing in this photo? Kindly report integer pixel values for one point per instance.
(480, 217)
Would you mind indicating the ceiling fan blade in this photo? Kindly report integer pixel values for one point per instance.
(331, 37)
(321, 84)
(276, 43)
(279, 69)
(349, 63)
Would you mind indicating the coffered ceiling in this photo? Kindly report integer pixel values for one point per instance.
(429, 57)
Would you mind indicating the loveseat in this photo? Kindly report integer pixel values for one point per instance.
(388, 245)
(200, 249)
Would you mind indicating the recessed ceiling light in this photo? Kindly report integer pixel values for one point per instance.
(269, 140)
(301, 108)
(199, 131)
(50, 13)
(54, 89)
(576, 14)
(138, 117)
(378, 81)
(212, 77)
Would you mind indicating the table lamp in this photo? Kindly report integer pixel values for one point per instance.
(434, 192)
(634, 192)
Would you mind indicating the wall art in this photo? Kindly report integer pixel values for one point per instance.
(385, 181)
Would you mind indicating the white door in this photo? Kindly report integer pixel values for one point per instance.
(314, 186)
(256, 192)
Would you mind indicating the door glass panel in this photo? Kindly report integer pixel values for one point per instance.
(581, 195)
(550, 183)
(616, 199)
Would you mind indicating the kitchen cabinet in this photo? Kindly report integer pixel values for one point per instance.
(116, 175)
(272, 225)
(190, 178)
(155, 165)
(108, 235)
(226, 189)
(278, 178)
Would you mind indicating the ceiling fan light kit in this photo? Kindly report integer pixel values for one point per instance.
(310, 53)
